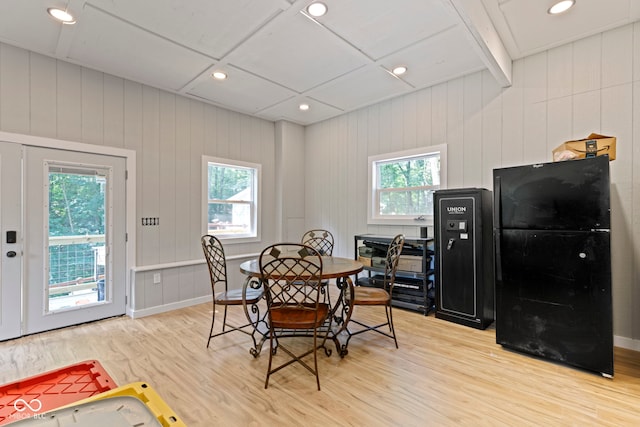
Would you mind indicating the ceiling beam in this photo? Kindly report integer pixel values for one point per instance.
(485, 39)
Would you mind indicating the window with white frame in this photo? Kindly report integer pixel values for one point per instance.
(232, 194)
(402, 185)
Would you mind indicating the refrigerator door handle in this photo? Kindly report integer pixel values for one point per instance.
(497, 228)
(497, 218)
(497, 237)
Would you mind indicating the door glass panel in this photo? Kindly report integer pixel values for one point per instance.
(76, 237)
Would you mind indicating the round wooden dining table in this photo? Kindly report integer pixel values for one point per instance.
(337, 268)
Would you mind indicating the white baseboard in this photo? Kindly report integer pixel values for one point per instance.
(628, 343)
(167, 307)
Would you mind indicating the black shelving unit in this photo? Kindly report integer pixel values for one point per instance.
(413, 290)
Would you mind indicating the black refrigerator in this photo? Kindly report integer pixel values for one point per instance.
(553, 263)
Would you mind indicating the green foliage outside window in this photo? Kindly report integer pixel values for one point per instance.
(406, 186)
(227, 183)
(76, 204)
(406, 173)
(76, 208)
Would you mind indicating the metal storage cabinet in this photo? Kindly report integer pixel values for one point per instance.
(413, 287)
(464, 261)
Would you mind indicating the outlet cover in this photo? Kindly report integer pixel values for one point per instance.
(156, 278)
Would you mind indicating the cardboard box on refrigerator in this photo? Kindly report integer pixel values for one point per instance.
(592, 146)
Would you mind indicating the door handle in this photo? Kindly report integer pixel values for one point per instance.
(11, 254)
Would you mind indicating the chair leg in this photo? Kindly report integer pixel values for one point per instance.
(224, 319)
(271, 351)
(213, 321)
(274, 345)
(315, 356)
(374, 328)
(249, 328)
(391, 327)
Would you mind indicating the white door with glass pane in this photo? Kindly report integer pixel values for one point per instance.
(75, 238)
(10, 225)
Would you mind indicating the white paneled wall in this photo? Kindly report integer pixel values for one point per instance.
(592, 85)
(290, 181)
(45, 97)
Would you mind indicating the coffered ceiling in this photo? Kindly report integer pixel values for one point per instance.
(277, 57)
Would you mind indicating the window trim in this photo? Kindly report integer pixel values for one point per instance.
(372, 219)
(257, 197)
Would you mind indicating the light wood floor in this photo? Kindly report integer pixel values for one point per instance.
(443, 374)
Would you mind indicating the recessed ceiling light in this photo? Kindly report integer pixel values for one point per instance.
(317, 9)
(398, 71)
(61, 15)
(561, 6)
(219, 75)
(304, 107)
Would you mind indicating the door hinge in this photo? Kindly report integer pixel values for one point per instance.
(126, 175)
(126, 237)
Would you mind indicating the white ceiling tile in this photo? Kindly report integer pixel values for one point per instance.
(117, 47)
(381, 27)
(241, 91)
(440, 58)
(210, 27)
(297, 53)
(27, 24)
(534, 30)
(289, 110)
(362, 87)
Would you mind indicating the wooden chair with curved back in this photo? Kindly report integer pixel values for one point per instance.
(291, 274)
(222, 295)
(378, 296)
(320, 240)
